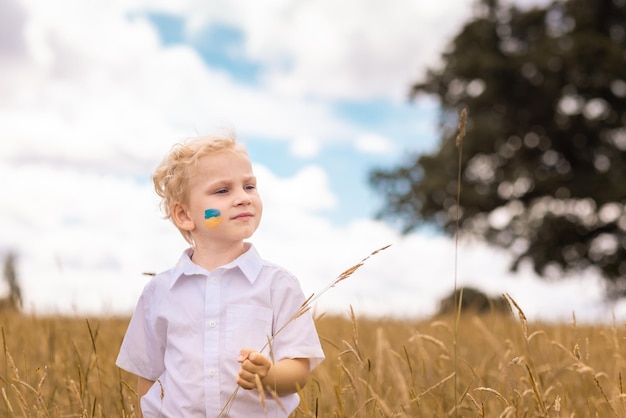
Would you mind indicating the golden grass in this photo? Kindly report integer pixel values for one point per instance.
(506, 367)
(62, 367)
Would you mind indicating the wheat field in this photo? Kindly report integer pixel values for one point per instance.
(490, 365)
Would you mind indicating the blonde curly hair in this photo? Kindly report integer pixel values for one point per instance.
(171, 177)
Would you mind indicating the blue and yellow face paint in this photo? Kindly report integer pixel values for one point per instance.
(212, 218)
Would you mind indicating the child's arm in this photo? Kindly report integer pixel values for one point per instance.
(143, 385)
(285, 376)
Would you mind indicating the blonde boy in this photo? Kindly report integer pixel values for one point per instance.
(197, 327)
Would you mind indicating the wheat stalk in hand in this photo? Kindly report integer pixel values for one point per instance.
(305, 307)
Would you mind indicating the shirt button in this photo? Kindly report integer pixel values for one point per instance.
(212, 372)
(212, 324)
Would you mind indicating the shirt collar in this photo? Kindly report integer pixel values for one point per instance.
(249, 263)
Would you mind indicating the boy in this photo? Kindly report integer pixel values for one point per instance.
(197, 327)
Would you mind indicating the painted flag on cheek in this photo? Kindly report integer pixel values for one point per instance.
(212, 218)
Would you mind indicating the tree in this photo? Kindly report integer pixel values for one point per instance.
(472, 299)
(544, 159)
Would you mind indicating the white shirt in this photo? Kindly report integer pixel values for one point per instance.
(190, 324)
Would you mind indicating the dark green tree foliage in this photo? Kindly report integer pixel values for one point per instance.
(544, 158)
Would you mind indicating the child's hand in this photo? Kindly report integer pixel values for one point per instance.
(252, 363)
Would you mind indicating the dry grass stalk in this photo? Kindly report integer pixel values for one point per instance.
(458, 303)
(16, 377)
(16, 372)
(431, 339)
(259, 387)
(356, 392)
(7, 402)
(408, 362)
(573, 354)
(355, 330)
(509, 411)
(530, 364)
(354, 352)
(495, 392)
(21, 401)
(77, 394)
(382, 360)
(480, 408)
(380, 403)
(276, 397)
(34, 391)
(520, 312)
(461, 128)
(604, 396)
(536, 391)
(305, 307)
(436, 385)
(161, 389)
(338, 397)
(576, 351)
(536, 334)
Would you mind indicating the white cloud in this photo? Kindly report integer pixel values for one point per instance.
(77, 230)
(361, 49)
(305, 146)
(373, 144)
(105, 89)
(350, 49)
(303, 194)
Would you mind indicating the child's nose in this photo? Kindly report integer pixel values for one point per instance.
(242, 198)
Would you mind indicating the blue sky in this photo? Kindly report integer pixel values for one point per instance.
(93, 94)
(394, 121)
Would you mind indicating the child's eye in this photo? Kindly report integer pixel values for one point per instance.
(221, 191)
(250, 187)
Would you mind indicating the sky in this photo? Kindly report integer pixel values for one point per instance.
(94, 93)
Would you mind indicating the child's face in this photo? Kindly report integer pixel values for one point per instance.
(223, 202)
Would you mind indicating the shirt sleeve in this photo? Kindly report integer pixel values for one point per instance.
(142, 350)
(294, 336)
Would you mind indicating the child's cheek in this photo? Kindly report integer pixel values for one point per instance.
(212, 218)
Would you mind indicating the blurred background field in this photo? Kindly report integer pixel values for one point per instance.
(505, 367)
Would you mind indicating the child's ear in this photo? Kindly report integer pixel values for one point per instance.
(181, 217)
